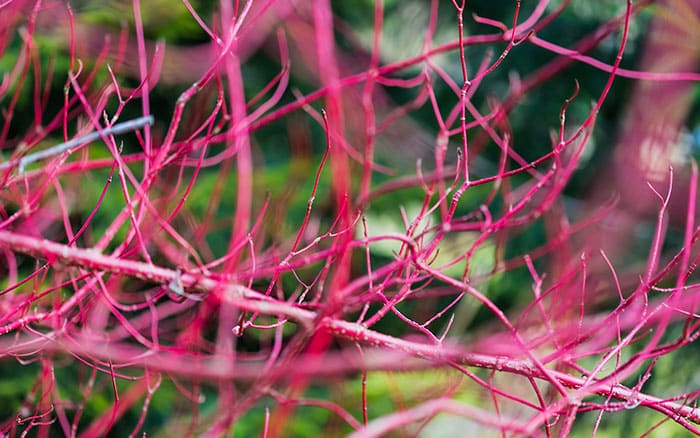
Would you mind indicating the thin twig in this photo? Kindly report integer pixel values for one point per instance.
(119, 128)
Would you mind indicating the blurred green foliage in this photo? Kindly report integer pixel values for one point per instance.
(162, 19)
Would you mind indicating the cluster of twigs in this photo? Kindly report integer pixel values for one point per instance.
(115, 276)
